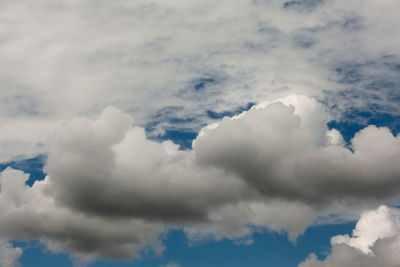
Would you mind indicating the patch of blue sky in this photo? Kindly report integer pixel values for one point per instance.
(185, 137)
(302, 4)
(355, 120)
(350, 73)
(219, 115)
(35, 254)
(202, 83)
(33, 166)
(380, 84)
(268, 249)
(392, 62)
(370, 95)
(181, 137)
(394, 66)
(373, 74)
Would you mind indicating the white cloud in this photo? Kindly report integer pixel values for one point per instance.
(9, 255)
(64, 59)
(25, 138)
(373, 225)
(171, 264)
(375, 242)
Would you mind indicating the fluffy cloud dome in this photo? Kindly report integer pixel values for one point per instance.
(375, 242)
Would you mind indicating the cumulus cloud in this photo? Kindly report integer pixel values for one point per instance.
(286, 151)
(28, 212)
(375, 242)
(9, 255)
(108, 168)
(110, 191)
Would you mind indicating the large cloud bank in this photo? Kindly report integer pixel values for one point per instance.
(110, 191)
(169, 62)
(375, 242)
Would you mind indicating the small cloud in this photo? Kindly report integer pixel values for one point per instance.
(171, 264)
(374, 243)
(244, 242)
(9, 255)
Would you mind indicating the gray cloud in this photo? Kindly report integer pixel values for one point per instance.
(283, 153)
(28, 212)
(110, 191)
(136, 176)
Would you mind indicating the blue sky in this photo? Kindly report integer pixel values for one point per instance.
(199, 133)
(268, 249)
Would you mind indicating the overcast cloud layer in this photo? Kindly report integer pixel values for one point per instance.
(93, 86)
(168, 63)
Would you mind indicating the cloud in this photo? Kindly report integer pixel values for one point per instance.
(171, 264)
(285, 151)
(110, 191)
(232, 221)
(303, 4)
(375, 242)
(136, 176)
(9, 255)
(65, 59)
(25, 138)
(161, 67)
(28, 212)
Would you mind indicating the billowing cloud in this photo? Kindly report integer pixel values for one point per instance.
(28, 212)
(375, 242)
(109, 168)
(111, 191)
(286, 151)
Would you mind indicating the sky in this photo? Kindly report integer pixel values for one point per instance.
(176, 133)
